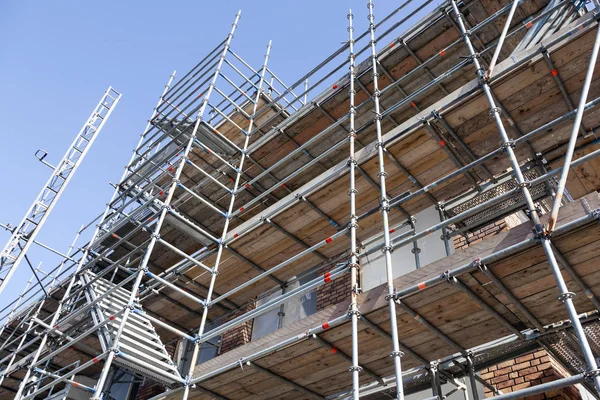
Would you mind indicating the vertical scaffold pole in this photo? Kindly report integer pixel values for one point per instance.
(353, 225)
(566, 297)
(574, 132)
(236, 184)
(156, 232)
(385, 208)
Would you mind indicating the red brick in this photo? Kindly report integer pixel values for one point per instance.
(527, 371)
(506, 364)
(521, 366)
(508, 383)
(503, 371)
(499, 379)
(535, 375)
(524, 358)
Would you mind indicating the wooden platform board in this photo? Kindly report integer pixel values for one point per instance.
(526, 274)
(529, 94)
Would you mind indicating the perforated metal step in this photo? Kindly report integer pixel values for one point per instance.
(499, 210)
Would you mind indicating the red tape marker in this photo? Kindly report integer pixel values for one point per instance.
(554, 72)
(442, 53)
(442, 143)
(422, 285)
(112, 317)
(412, 103)
(95, 359)
(335, 86)
(328, 240)
(241, 208)
(392, 230)
(333, 350)
(235, 235)
(325, 325)
(327, 277)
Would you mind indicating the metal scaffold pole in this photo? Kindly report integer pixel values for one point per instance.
(353, 224)
(25, 233)
(239, 170)
(542, 234)
(201, 196)
(155, 236)
(66, 296)
(384, 209)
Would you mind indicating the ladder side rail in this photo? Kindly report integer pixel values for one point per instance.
(12, 245)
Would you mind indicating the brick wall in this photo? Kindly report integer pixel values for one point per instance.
(334, 292)
(462, 242)
(529, 370)
(239, 335)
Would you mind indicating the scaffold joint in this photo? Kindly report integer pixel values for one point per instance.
(497, 110)
(565, 296)
(525, 184)
(510, 143)
(447, 277)
(353, 312)
(397, 354)
(590, 374)
(355, 368)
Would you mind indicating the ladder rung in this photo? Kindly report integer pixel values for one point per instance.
(39, 203)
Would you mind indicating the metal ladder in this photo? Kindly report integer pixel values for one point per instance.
(23, 235)
(139, 341)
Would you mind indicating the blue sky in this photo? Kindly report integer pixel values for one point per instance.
(58, 57)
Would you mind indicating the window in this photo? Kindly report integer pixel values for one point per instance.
(294, 309)
(208, 350)
(432, 248)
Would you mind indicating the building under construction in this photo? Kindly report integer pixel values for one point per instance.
(416, 212)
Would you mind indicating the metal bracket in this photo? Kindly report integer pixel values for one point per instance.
(511, 143)
(41, 154)
(565, 296)
(447, 277)
(497, 110)
(591, 373)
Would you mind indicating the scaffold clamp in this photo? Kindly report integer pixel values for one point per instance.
(565, 296)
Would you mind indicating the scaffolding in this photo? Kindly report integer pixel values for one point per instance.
(237, 189)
